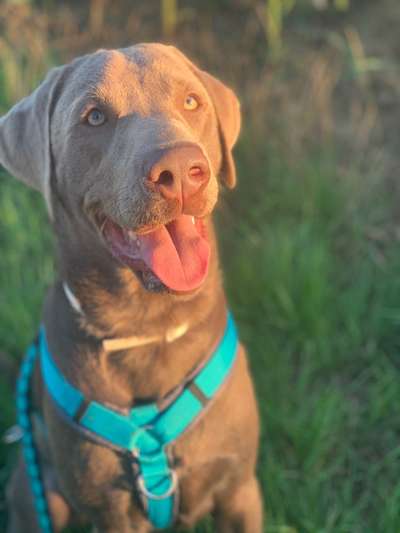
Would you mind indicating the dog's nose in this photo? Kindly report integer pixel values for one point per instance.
(180, 173)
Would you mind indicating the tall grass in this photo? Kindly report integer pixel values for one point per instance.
(24, 50)
(272, 15)
(275, 12)
(169, 16)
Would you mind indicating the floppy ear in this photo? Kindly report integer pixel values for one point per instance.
(25, 149)
(227, 108)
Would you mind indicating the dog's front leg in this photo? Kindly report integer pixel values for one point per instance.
(22, 514)
(110, 520)
(114, 529)
(240, 511)
(129, 529)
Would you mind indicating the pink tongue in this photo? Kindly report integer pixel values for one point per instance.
(177, 254)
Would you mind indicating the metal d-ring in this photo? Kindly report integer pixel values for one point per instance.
(135, 436)
(150, 495)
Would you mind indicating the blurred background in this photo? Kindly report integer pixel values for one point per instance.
(309, 239)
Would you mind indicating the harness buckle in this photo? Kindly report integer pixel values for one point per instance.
(145, 433)
(142, 487)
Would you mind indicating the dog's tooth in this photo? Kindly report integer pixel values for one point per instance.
(193, 220)
(102, 225)
(133, 237)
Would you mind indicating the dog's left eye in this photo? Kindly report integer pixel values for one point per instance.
(191, 102)
(96, 117)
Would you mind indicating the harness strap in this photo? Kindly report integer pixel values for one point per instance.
(146, 431)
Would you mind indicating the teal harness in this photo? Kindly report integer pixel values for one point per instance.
(143, 433)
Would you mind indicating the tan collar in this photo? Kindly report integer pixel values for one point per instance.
(113, 345)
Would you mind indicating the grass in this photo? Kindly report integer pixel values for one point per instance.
(318, 312)
(312, 264)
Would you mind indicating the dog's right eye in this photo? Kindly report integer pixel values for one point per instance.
(95, 117)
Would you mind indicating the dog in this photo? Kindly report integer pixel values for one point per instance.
(129, 148)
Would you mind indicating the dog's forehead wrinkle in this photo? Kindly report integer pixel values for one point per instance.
(88, 71)
(115, 82)
(133, 92)
(138, 54)
(116, 63)
(142, 79)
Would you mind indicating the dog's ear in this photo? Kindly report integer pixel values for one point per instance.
(25, 149)
(227, 108)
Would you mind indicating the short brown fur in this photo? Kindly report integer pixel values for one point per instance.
(43, 143)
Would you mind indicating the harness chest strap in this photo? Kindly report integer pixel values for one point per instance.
(145, 431)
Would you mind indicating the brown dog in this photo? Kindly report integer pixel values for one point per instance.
(126, 147)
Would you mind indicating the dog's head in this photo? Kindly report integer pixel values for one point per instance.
(130, 143)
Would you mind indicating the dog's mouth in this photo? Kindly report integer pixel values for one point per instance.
(175, 255)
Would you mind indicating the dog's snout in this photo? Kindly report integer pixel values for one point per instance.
(180, 173)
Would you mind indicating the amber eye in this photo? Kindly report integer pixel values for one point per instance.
(96, 117)
(191, 102)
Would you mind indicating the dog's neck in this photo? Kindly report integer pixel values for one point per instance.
(115, 306)
(133, 341)
(112, 303)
